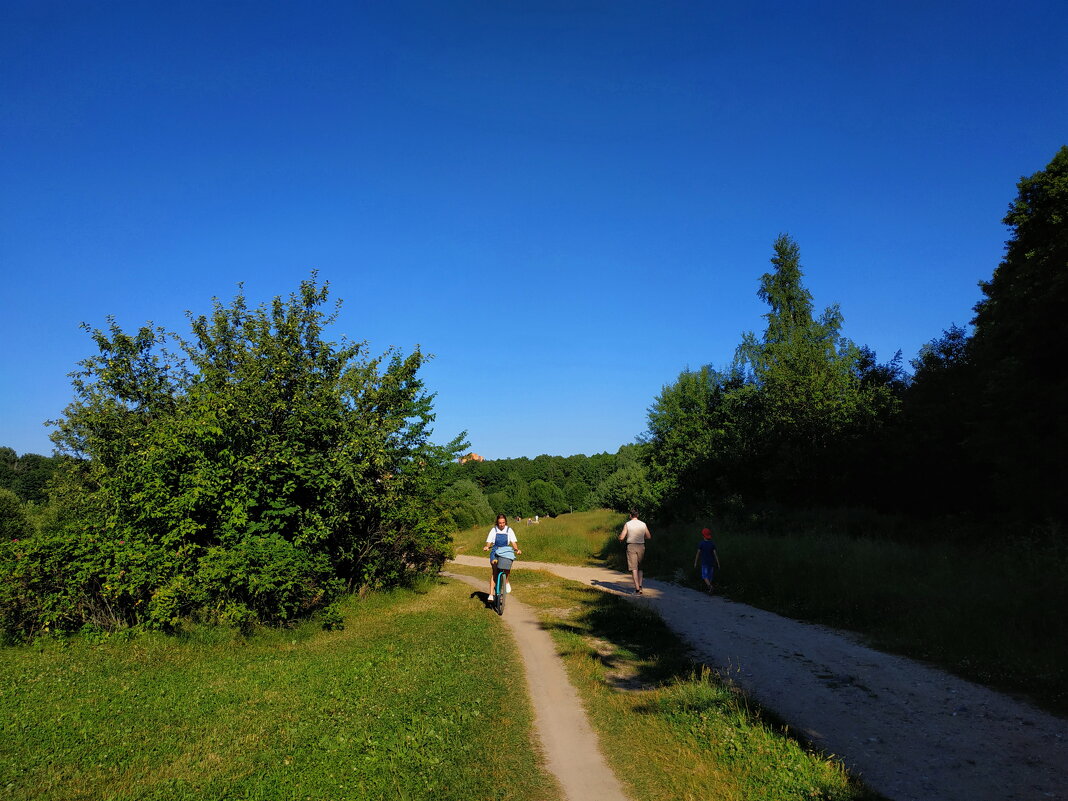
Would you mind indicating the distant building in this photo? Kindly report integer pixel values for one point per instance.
(471, 457)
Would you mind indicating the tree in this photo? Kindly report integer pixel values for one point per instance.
(931, 448)
(465, 505)
(692, 440)
(807, 380)
(14, 524)
(627, 488)
(576, 493)
(547, 499)
(27, 475)
(1020, 349)
(785, 422)
(251, 472)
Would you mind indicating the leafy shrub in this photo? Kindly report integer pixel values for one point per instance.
(14, 522)
(247, 475)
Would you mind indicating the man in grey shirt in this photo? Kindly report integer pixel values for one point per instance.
(635, 533)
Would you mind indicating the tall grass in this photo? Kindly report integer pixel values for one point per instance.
(405, 702)
(574, 539)
(989, 612)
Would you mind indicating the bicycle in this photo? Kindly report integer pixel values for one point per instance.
(501, 589)
(501, 582)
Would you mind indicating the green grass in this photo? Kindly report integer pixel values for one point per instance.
(991, 613)
(572, 539)
(670, 730)
(400, 704)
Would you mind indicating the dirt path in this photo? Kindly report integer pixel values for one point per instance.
(912, 732)
(567, 739)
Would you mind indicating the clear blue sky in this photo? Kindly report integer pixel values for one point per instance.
(566, 202)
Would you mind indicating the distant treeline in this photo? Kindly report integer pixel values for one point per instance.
(545, 485)
(28, 475)
(803, 417)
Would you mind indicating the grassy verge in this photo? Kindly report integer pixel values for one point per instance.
(669, 730)
(574, 539)
(398, 705)
(991, 613)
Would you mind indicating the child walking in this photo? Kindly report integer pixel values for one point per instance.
(708, 557)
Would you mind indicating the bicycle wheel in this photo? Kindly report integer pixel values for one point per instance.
(502, 588)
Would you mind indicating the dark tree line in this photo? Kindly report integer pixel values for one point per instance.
(804, 417)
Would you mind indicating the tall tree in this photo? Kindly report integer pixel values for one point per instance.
(694, 440)
(807, 380)
(931, 453)
(1020, 348)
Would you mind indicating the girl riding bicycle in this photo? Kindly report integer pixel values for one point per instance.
(503, 548)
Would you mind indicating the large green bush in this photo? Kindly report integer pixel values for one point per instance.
(250, 473)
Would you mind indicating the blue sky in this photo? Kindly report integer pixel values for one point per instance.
(566, 202)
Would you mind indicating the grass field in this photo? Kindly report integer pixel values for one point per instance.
(398, 705)
(582, 538)
(670, 731)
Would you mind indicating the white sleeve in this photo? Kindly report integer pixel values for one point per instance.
(511, 536)
(490, 537)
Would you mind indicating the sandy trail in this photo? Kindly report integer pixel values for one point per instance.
(568, 741)
(910, 731)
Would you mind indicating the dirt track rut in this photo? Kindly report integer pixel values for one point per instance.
(567, 739)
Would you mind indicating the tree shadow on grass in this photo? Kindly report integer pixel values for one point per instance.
(639, 652)
(630, 633)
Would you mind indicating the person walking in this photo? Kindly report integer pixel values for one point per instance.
(635, 534)
(708, 557)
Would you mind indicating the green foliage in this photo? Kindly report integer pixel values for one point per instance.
(806, 374)
(982, 418)
(564, 484)
(1020, 348)
(781, 423)
(248, 474)
(14, 523)
(627, 488)
(929, 451)
(547, 499)
(695, 440)
(576, 494)
(464, 504)
(27, 475)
